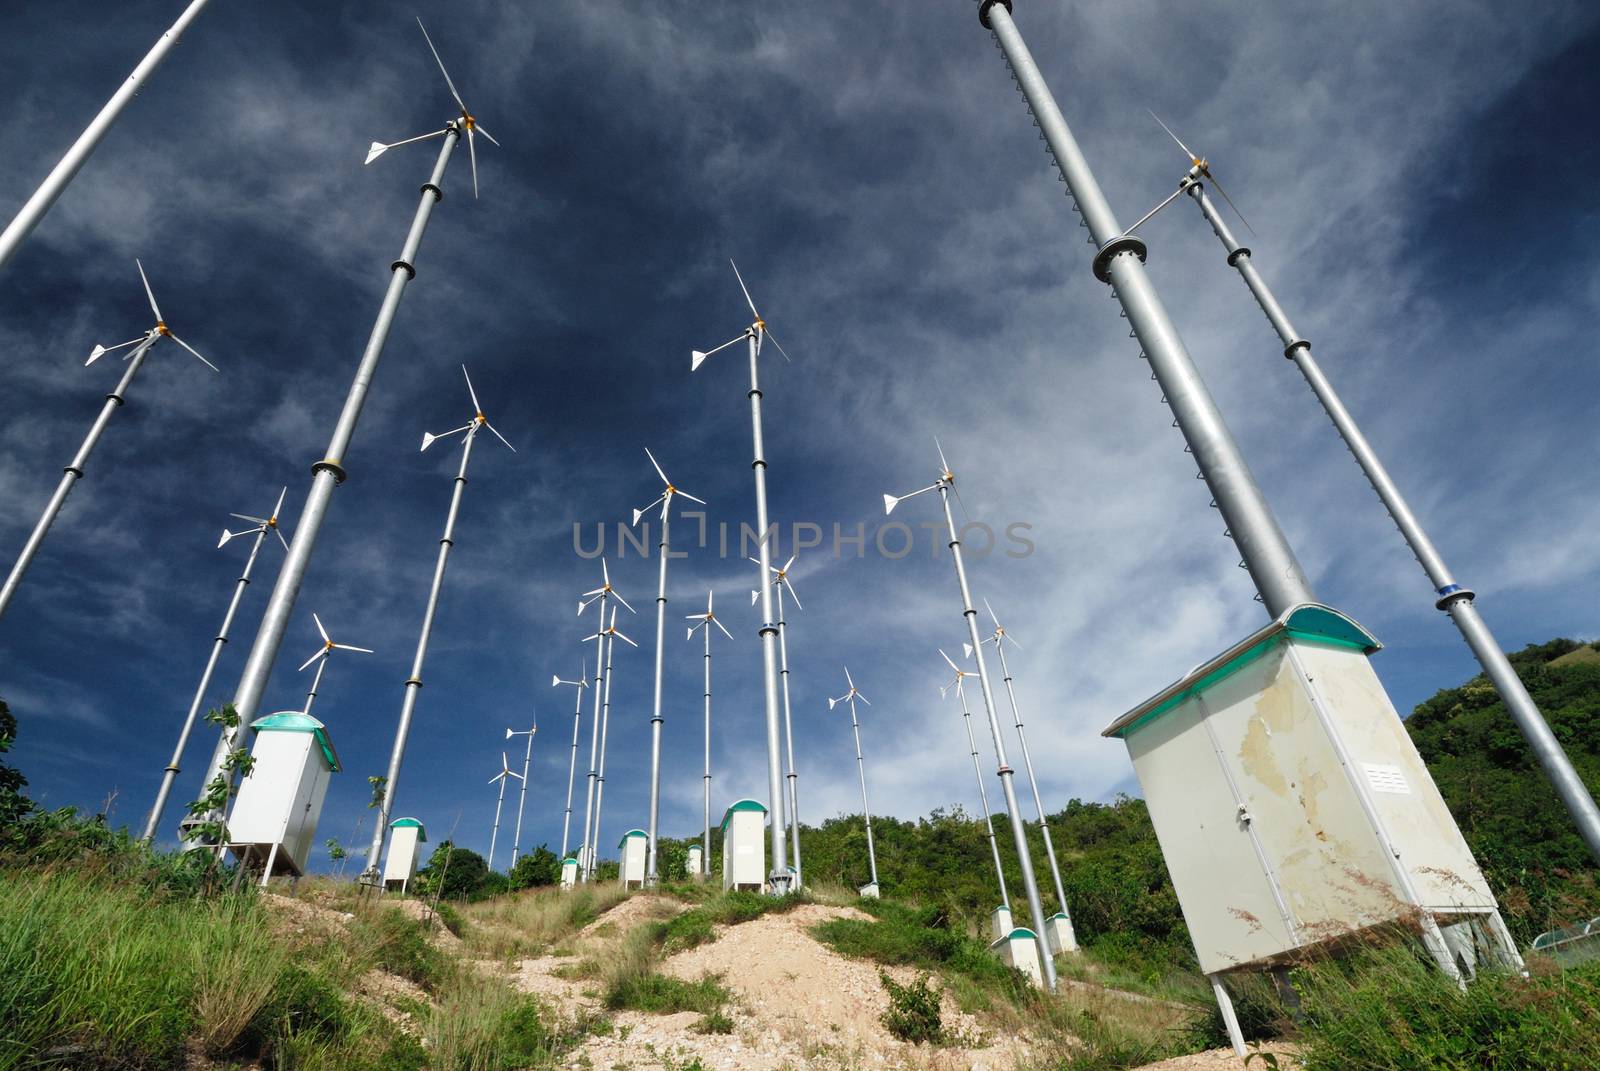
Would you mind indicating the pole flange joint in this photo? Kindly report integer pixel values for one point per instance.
(983, 10)
(438, 194)
(1451, 594)
(1288, 351)
(327, 464)
(414, 680)
(77, 473)
(1126, 243)
(1233, 257)
(411, 273)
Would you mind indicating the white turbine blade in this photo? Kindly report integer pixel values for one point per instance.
(496, 777)
(252, 520)
(513, 773)
(101, 351)
(720, 625)
(194, 351)
(696, 617)
(1014, 643)
(792, 595)
(691, 498)
(595, 636)
(624, 602)
(790, 562)
(472, 154)
(442, 71)
(747, 299)
(279, 533)
(951, 664)
(1228, 199)
(281, 496)
(596, 591)
(320, 654)
(992, 617)
(497, 435)
(710, 595)
(778, 344)
(476, 407)
(321, 631)
(621, 637)
(864, 699)
(151, 294)
(1186, 151)
(347, 647)
(605, 573)
(944, 466)
(657, 465)
(848, 680)
(479, 127)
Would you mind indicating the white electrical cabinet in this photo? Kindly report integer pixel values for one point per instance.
(744, 846)
(692, 865)
(631, 849)
(274, 819)
(1291, 806)
(400, 865)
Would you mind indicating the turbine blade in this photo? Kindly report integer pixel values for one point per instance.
(778, 344)
(476, 408)
(621, 637)
(496, 777)
(605, 573)
(151, 294)
(497, 435)
(252, 520)
(1014, 643)
(864, 699)
(792, 595)
(347, 647)
(624, 602)
(1192, 157)
(848, 680)
(194, 351)
(1228, 199)
(720, 625)
(279, 533)
(747, 298)
(691, 498)
(960, 503)
(657, 465)
(992, 617)
(951, 664)
(442, 71)
(320, 654)
(485, 133)
(513, 773)
(710, 594)
(944, 466)
(281, 496)
(472, 154)
(322, 631)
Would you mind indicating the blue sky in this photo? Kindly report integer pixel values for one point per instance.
(1419, 178)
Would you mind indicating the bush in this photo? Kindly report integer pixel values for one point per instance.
(664, 994)
(535, 869)
(913, 1013)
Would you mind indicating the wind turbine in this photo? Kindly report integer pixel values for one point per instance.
(413, 686)
(74, 471)
(780, 581)
(945, 485)
(324, 653)
(611, 635)
(1454, 598)
(263, 525)
(505, 772)
(329, 472)
(34, 209)
(1000, 637)
(572, 765)
(959, 684)
(600, 595)
(527, 757)
(850, 697)
(668, 493)
(753, 335)
(706, 620)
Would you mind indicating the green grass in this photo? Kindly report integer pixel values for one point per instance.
(664, 994)
(399, 944)
(529, 923)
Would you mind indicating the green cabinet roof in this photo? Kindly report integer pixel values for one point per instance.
(741, 805)
(293, 721)
(410, 823)
(630, 835)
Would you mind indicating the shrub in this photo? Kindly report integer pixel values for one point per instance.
(913, 1013)
(399, 944)
(664, 994)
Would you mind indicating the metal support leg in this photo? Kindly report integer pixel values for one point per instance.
(1229, 1019)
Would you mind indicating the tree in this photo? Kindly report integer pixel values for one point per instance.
(13, 804)
(461, 871)
(535, 869)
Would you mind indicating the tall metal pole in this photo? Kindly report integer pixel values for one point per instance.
(788, 738)
(1453, 598)
(316, 683)
(29, 215)
(1013, 815)
(522, 800)
(866, 813)
(413, 685)
(1033, 782)
(662, 551)
(605, 721)
(1120, 262)
(778, 880)
(495, 833)
(572, 764)
(329, 472)
(171, 773)
(73, 473)
(705, 842)
(600, 675)
(983, 795)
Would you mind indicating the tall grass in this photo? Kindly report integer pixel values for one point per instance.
(529, 923)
